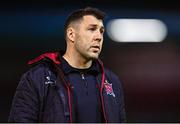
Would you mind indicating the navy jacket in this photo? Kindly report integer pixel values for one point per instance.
(45, 95)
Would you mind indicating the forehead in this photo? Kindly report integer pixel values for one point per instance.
(91, 20)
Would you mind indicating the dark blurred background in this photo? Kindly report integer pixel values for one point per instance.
(150, 72)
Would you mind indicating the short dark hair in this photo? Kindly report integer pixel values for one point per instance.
(80, 13)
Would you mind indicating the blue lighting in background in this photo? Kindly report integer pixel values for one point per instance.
(41, 23)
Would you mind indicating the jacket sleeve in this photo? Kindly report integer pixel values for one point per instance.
(25, 102)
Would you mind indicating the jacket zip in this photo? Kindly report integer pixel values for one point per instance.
(101, 90)
(68, 87)
(102, 104)
(70, 102)
(67, 84)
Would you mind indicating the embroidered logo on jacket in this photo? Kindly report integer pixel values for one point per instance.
(109, 89)
(50, 81)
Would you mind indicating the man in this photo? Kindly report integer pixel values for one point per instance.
(71, 86)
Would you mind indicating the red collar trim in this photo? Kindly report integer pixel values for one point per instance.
(52, 56)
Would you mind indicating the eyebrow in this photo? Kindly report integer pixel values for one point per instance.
(94, 25)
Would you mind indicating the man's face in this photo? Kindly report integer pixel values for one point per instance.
(89, 37)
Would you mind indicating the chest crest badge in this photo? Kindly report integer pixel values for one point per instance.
(109, 89)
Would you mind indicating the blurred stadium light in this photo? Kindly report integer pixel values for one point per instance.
(136, 30)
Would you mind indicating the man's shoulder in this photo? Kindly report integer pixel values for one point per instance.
(38, 68)
(111, 74)
(43, 63)
(37, 77)
(38, 71)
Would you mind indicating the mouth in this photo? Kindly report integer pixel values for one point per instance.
(96, 47)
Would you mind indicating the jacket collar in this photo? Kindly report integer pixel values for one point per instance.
(53, 56)
(56, 57)
(94, 69)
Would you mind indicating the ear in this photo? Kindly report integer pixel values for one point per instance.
(71, 34)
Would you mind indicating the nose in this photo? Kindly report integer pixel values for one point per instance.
(98, 36)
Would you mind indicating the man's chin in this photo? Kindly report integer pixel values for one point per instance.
(94, 56)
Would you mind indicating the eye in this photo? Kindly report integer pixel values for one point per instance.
(102, 30)
(92, 29)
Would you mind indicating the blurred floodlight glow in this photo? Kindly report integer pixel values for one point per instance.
(136, 30)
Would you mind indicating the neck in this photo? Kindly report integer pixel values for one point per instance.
(77, 61)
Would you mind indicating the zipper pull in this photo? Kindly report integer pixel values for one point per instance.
(82, 76)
